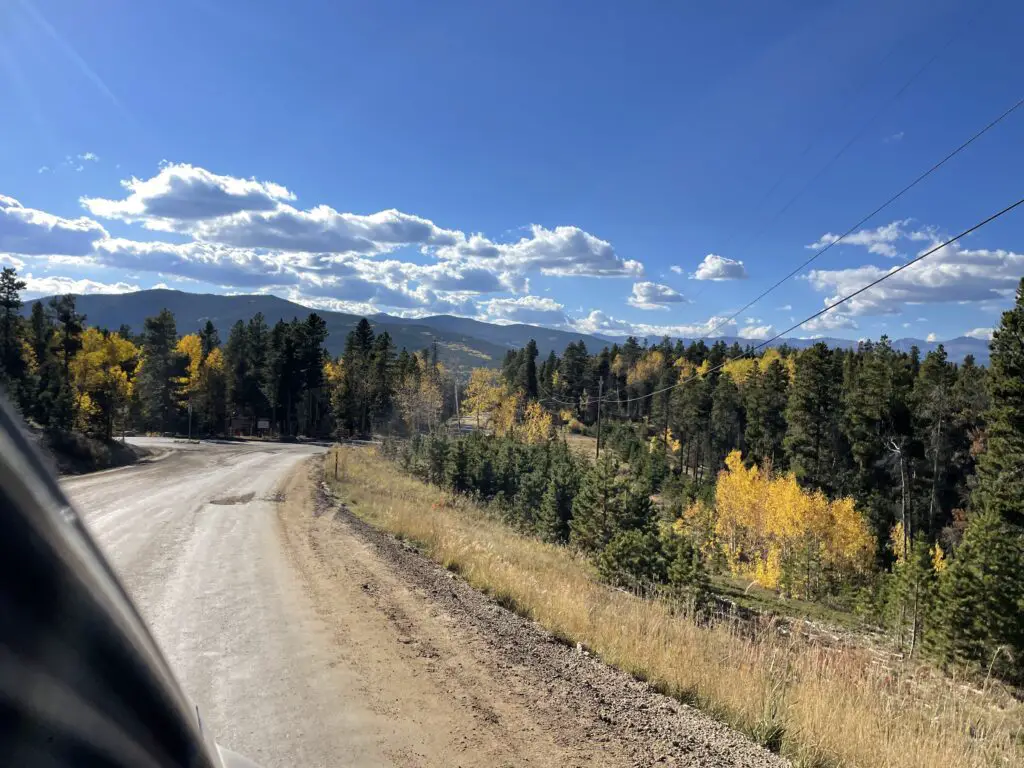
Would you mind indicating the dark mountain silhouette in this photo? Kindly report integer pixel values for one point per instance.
(462, 342)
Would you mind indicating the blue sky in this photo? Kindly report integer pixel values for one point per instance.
(598, 165)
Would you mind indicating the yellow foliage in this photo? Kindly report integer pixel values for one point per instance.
(214, 361)
(192, 347)
(647, 368)
(506, 413)
(618, 366)
(537, 424)
(739, 369)
(100, 375)
(771, 355)
(770, 527)
(898, 543)
(485, 391)
(938, 558)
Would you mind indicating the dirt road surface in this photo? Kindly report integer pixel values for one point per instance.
(310, 640)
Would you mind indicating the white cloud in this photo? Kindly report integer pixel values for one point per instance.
(833, 320)
(654, 296)
(534, 310)
(677, 269)
(245, 213)
(951, 274)
(89, 157)
(757, 332)
(43, 169)
(599, 322)
(894, 138)
(931, 337)
(50, 286)
(715, 267)
(321, 229)
(183, 193)
(245, 235)
(562, 252)
(980, 333)
(881, 240)
(785, 308)
(30, 232)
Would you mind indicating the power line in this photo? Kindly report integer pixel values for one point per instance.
(833, 305)
(836, 303)
(868, 217)
(959, 31)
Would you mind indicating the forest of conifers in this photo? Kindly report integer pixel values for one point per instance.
(870, 479)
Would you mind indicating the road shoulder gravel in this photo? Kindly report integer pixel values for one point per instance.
(591, 713)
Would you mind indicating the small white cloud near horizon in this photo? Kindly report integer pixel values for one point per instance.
(985, 334)
(931, 338)
(715, 267)
(52, 286)
(532, 310)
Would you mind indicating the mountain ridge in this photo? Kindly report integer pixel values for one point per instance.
(462, 342)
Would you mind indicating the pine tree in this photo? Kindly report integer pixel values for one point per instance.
(813, 416)
(685, 572)
(632, 559)
(67, 340)
(933, 421)
(12, 361)
(555, 512)
(1000, 480)
(457, 470)
(726, 420)
(981, 596)
(156, 387)
(766, 394)
(208, 336)
(596, 507)
(526, 375)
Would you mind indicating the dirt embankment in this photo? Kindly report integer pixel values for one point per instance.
(472, 683)
(72, 453)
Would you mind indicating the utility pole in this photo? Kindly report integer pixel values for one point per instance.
(190, 419)
(600, 390)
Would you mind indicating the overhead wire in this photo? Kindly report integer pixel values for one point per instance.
(833, 305)
(832, 243)
(958, 32)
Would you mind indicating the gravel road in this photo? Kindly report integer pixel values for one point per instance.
(308, 639)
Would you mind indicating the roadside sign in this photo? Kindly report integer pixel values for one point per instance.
(263, 424)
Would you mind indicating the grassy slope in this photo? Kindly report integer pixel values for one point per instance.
(819, 706)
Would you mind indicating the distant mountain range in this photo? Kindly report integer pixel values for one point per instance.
(462, 342)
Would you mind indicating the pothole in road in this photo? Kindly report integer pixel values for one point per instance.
(245, 498)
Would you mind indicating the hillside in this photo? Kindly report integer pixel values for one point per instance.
(462, 342)
(191, 310)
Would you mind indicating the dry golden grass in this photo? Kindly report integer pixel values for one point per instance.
(818, 706)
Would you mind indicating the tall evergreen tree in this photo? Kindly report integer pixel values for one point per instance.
(726, 420)
(526, 376)
(67, 341)
(12, 361)
(157, 386)
(812, 442)
(1000, 486)
(208, 337)
(765, 396)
